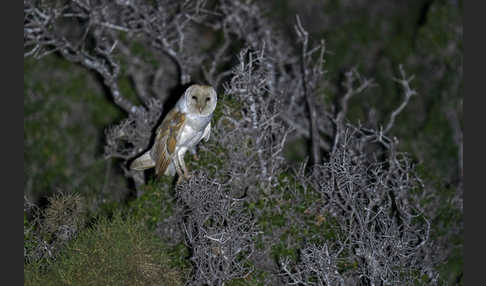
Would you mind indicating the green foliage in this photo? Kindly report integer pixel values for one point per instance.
(211, 161)
(179, 255)
(256, 278)
(64, 209)
(438, 44)
(155, 204)
(65, 113)
(427, 38)
(295, 151)
(31, 242)
(227, 105)
(117, 252)
(126, 88)
(452, 270)
(48, 230)
(448, 216)
(141, 51)
(440, 31)
(376, 45)
(293, 219)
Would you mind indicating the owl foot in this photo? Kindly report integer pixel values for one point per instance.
(195, 157)
(185, 176)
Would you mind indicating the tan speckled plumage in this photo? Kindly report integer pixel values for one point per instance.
(183, 127)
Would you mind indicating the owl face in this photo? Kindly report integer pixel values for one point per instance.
(200, 99)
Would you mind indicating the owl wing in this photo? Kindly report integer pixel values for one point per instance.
(166, 140)
(207, 132)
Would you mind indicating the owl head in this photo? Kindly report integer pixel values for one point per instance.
(200, 99)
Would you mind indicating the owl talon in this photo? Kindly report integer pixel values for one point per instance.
(186, 177)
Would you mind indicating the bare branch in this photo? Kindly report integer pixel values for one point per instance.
(351, 77)
(405, 83)
(308, 93)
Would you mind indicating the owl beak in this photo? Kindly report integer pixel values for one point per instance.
(200, 109)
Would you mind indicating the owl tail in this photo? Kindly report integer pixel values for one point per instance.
(143, 162)
(170, 171)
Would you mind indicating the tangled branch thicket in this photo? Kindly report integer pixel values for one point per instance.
(381, 233)
(219, 230)
(354, 210)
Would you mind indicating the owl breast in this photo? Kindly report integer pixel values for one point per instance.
(190, 136)
(193, 130)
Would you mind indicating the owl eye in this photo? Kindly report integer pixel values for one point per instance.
(208, 99)
(195, 98)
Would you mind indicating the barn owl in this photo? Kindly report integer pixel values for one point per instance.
(184, 126)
